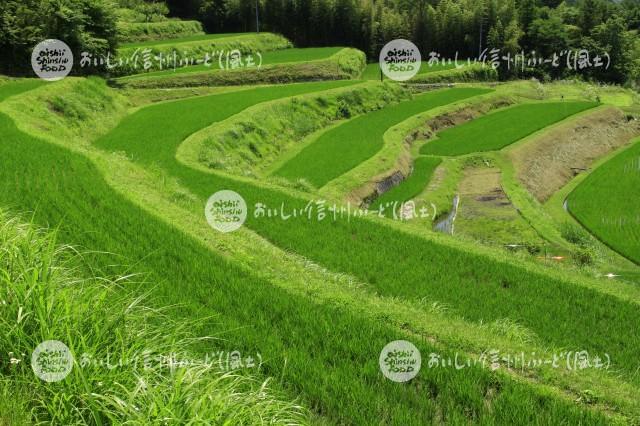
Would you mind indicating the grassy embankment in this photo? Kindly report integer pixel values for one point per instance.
(147, 33)
(313, 65)
(192, 49)
(257, 141)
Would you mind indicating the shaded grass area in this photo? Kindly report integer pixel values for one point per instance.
(501, 128)
(483, 289)
(372, 71)
(268, 58)
(323, 353)
(344, 147)
(423, 168)
(607, 203)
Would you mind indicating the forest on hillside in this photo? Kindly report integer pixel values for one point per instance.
(462, 28)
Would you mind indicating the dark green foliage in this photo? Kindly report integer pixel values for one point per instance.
(85, 25)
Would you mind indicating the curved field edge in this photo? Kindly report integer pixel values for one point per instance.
(343, 148)
(397, 152)
(611, 214)
(345, 64)
(247, 144)
(282, 56)
(333, 326)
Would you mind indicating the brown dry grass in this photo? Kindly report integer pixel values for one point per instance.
(548, 162)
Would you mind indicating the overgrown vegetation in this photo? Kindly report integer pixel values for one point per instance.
(146, 31)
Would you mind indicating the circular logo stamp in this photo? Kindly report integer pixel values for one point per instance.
(52, 60)
(400, 60)
(400, 361)
(226, 211)
(52, 361)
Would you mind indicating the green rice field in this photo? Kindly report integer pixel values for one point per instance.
(607, 205)
(496, 130)
(268, 58)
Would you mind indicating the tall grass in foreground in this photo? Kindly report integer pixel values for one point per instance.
(43, 296)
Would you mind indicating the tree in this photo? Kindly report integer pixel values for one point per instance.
(213, 15)
(612, 38)
(85, 25)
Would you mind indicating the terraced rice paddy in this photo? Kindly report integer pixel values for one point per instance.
(344, 147)
(481, 289)
(607, 203)
(324, 354)
(497, 130)
(268, 58)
